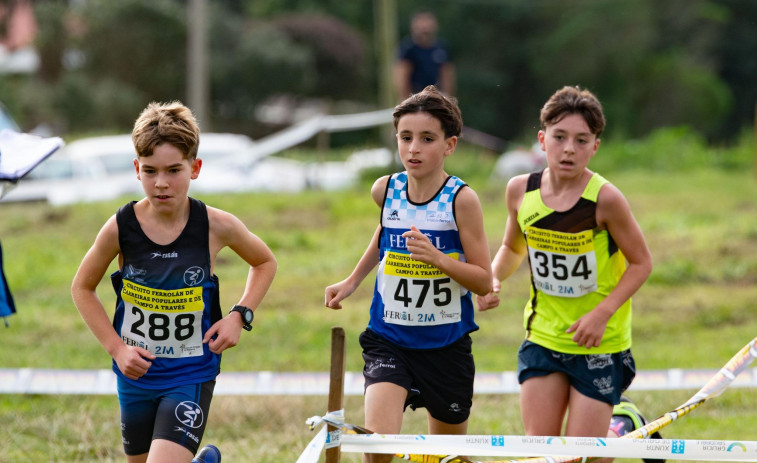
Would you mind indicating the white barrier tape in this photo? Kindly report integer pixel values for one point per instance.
(313, 451)
(313, 422)
(523, 446)
(329, 439)
(335, 418)
(334, 438)
(52, 381)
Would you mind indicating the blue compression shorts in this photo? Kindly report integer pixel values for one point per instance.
(178, 414)
(602, 377)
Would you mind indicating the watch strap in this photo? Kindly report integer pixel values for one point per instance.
(244, 312)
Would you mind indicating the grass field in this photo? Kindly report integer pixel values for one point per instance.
(695, 311)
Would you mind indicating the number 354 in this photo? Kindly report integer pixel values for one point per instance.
(559, 266)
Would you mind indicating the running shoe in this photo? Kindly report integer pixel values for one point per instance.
(208, 454)
(627, 417)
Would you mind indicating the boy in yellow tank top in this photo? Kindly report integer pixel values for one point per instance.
(588, 257)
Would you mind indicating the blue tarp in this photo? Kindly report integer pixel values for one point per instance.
(7, 307)
(19, 154)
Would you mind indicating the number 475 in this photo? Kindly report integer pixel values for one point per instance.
(442, 295)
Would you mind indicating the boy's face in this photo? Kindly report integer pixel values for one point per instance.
(422, 145)
(166, 175)
(569, 145)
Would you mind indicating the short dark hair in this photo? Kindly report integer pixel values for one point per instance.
(171, 123)
(574, 100)
(430, 100)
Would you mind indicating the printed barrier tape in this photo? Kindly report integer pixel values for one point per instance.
(96, 382)
(423, 448)
(313, 451)
(336, 418)
(522, 446)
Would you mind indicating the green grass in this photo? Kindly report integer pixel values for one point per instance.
(695, 311)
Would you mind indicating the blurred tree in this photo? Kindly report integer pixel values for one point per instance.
(52, 38)
(680, 76)
(597, 49)
(141, 43)
(652, 63)
(357, 16)
(737, 52)
(641, 60)
(490, 45)
(674, 91)
(299, 55)
(338, 53)
(251, 60)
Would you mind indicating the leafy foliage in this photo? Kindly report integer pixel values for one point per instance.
(653, 64)
(338, 52)
(149, 54)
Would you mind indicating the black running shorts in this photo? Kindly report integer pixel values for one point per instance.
(440, 380)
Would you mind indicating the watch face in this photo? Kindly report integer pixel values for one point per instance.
(247, 315)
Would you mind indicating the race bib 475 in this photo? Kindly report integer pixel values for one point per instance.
(417, 294)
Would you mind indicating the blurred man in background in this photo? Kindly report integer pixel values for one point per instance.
(423, 59)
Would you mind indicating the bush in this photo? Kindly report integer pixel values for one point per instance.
(673, 149)
(141, 43)
(263, 62)
(338, 52)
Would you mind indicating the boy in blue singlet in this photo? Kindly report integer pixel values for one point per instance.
(588, 257)
(168, 331)
(431, 253)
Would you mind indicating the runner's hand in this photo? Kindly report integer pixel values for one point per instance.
(133, 361)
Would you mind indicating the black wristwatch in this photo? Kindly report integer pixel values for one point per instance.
(247, 315)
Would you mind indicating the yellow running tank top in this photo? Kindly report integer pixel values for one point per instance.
(574, 266)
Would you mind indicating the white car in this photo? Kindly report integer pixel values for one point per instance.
(101, 168)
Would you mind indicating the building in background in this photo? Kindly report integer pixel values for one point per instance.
(18, 30)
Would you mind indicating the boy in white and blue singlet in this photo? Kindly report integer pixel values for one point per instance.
(431, 253)
(168, 331)
(587, 256)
